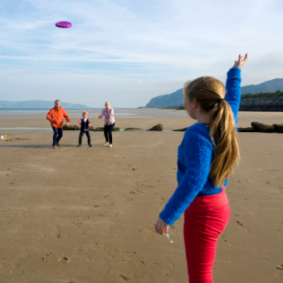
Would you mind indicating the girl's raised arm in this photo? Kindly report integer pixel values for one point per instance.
(233, 85)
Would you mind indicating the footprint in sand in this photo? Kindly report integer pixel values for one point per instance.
(136, 192)
(127, 259)
(224, 238)
(125, 277)
(280, 266)
(48, 257)
(243, 226)
(64, 259)
(240, 223)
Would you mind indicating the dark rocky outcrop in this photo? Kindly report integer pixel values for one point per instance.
(263, 128)
(132, 129)
(71, 128)
(262, 102)
(158, 127)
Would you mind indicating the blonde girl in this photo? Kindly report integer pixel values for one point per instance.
(206, 158)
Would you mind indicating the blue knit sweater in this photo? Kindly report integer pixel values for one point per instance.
(195, 154)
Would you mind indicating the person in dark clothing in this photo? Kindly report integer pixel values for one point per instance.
(85, 124)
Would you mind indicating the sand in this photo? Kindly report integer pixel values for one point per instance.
(87, 214)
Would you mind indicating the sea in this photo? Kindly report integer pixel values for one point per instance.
(7, 114)
(77, 113)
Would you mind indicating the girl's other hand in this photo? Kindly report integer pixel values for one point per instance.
(241, 61)
(161, 227)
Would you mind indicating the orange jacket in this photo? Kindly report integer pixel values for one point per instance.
(58, 116)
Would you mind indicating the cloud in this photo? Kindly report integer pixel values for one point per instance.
(128, 47)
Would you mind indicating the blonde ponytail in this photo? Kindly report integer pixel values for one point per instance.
(210, 92)
(226, 150)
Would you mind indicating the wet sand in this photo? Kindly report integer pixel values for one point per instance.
(87, 214)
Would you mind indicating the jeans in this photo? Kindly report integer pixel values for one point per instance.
(108, 132)
(58, 134)
(81, 135)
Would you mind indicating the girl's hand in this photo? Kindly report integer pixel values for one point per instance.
(161, 227)
(241, 61)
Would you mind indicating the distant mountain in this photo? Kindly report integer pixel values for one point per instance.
(175, 99)
(37, 104)
(269, 86)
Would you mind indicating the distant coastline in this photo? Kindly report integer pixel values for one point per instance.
(267, 96)
(261, 102)
(37, 104)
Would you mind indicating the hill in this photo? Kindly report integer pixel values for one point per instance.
(266, 87)
(172, 100)
(175, 99)
(37, 104)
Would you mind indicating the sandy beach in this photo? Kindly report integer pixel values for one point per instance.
(83, 215)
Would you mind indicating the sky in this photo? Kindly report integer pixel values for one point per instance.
(129, 51)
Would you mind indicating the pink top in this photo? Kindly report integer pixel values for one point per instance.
(108, 115)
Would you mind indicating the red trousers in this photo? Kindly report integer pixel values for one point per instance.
(205, 220)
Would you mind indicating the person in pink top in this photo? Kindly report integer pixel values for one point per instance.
(109, 123)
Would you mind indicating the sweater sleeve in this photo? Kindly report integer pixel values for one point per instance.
(233, 90)
(197, 155)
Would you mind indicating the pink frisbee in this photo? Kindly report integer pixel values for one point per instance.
(63, 24)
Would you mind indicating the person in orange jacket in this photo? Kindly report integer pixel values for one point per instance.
(56, 117)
